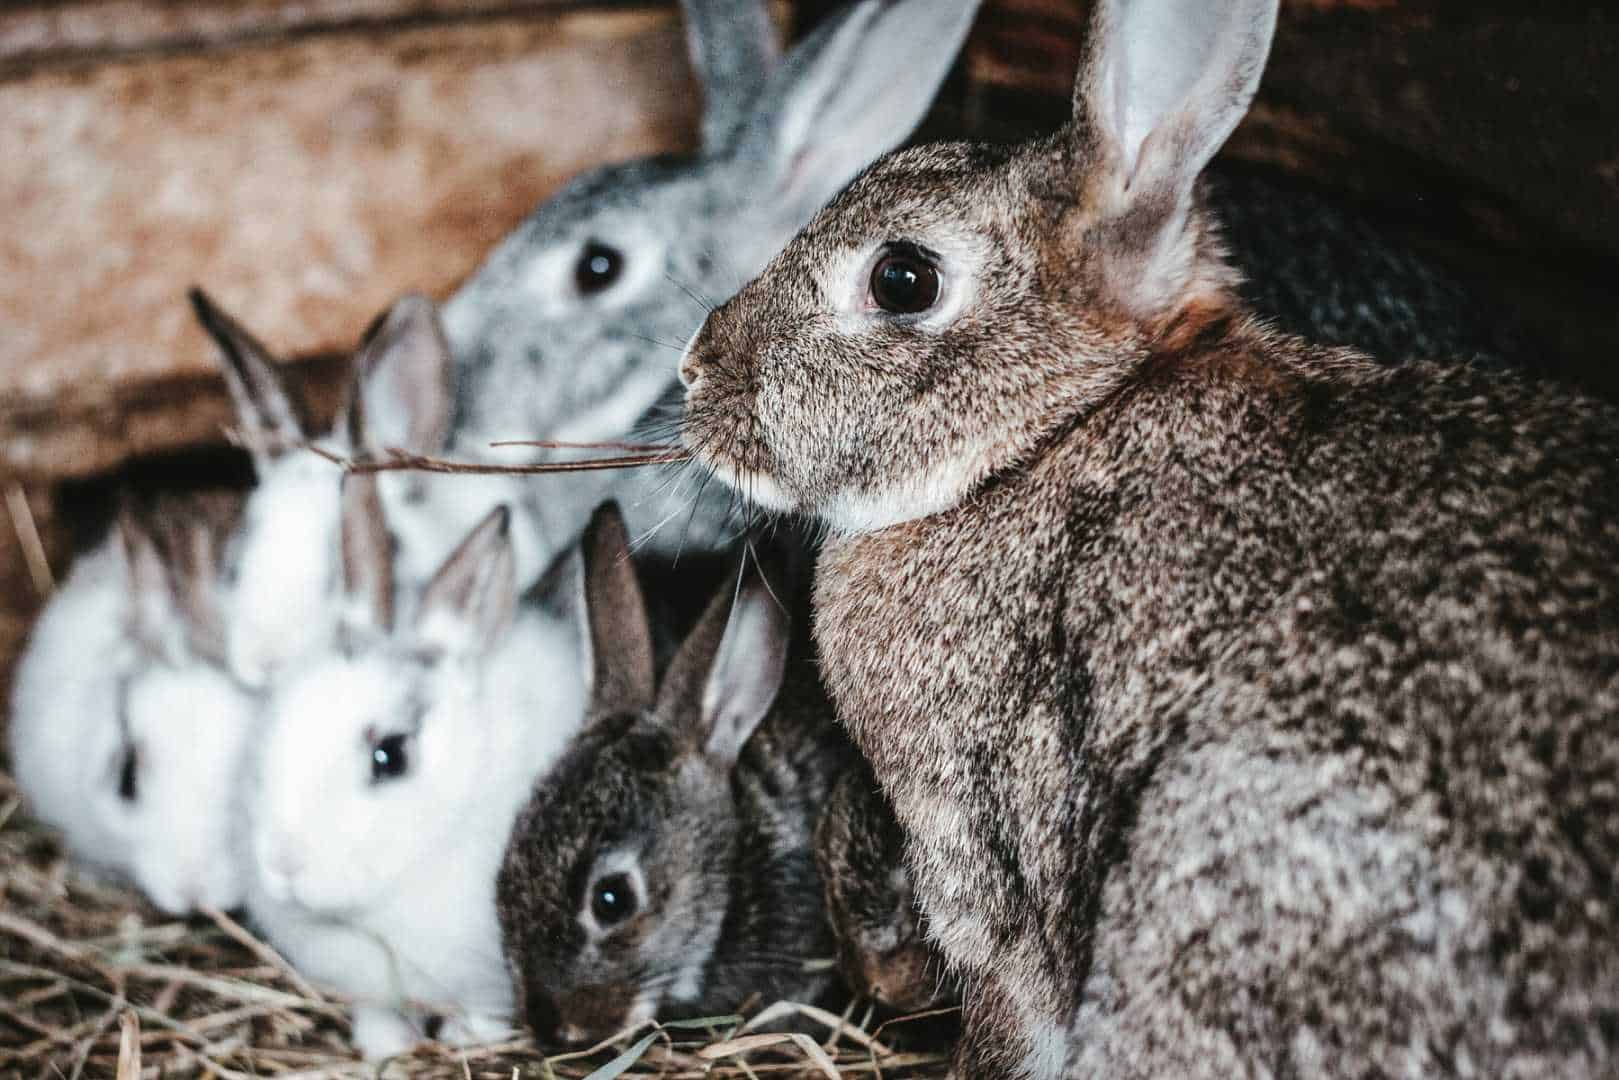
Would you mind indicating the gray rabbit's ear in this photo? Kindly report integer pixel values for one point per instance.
(849, 93)
(734, 50)
(471, 601)
(404, 374)
(728, 671)
(268, 413)
(367, 555)
(620, 638)
(1162, 86)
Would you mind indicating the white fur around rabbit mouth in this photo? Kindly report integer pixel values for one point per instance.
(755, 487)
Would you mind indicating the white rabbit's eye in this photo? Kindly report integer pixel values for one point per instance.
(128, 773)
(598, 267)
(612, 899)
(905, 281)
(388, 758)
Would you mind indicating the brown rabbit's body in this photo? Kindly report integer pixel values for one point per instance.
(1252, 708)
(1298, 693)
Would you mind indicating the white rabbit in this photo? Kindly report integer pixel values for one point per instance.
(391, 771)
(571, 328)
(126, 733)
(286, 558)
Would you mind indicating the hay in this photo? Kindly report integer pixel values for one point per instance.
(96, 983)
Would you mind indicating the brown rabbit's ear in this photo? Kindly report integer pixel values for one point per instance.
(620, 637)
(728, 672)
(270, 416)
(1162, 86)
(404, 376)
(367, 551)
(471, 602)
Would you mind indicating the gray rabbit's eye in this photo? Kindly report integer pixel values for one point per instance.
(389, 759)
(598, 267)
(128, 773)
(905, 281)
(612, 899)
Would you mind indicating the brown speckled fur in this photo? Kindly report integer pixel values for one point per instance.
(1250, 707)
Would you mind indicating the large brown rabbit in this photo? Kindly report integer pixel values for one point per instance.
(1251, 708)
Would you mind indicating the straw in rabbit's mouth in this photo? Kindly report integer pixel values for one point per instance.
(636, 455)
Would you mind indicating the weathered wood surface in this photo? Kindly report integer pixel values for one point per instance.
(305, 182)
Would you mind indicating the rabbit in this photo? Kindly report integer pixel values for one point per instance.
(126, 732)
(571, 327)
(665, 866)
(286, 563)
(1249, 706)
(392, 765)
(883, 951)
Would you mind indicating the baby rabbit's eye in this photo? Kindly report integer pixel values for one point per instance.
(128, 770)
(612, 899)
(905, 281)
(598, 267)
(388, 758)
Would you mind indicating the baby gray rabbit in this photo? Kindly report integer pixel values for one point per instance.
(665, 866)
(883, 951)
(571, 328)
(1250, 706)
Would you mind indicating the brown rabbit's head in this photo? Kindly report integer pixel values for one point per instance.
(960, 303)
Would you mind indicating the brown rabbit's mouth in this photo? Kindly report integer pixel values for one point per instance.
(727, 445)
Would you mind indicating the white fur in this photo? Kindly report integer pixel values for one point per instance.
(80, 679)
(386, 891)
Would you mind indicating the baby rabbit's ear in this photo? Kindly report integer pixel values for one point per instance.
(733, 50)
(849, 93)
(471, 602)
(368, 592)
(404, 374)
(620, 638)
(205, 521)
(1162, 86)
(727, 673)
(270, 416)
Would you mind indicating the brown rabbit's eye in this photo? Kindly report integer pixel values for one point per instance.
(612, 899)
(904, 282)
(597, 268)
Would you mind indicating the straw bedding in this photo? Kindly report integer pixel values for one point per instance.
(96, 983)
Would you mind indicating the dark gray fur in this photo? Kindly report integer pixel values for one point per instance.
(732, 910)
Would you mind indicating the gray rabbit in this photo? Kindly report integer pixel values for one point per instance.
(666, 865)
(1250, 706)
(572, 327)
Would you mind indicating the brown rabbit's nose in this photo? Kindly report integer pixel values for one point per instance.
(691, 369)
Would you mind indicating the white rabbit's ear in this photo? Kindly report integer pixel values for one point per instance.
(471, 602)
(1162, 86)
(367, 555)
(269, 414)
(620, 639)
(849, 93)
(153, 620)
(733, 50)
(405, 376)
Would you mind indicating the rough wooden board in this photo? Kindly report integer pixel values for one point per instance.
(31, 32)
(305, 183)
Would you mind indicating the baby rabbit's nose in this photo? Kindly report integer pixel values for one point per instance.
(543, 1018)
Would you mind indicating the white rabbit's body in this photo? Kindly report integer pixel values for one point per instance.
(123, 736)
(390, 774)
